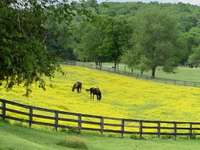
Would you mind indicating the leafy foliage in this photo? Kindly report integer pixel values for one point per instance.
(24, 38)
(123, 27)
(104, 39)
(155, 45)
(35, 35)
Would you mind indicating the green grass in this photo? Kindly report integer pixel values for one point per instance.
(181, 73)
(21, 138)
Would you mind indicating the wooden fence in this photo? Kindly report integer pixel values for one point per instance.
(137, 75)
(11, 110)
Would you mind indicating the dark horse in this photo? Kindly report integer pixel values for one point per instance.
(77, 86)
(94, 91)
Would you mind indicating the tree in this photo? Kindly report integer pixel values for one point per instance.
(104, 39)
(117, 39)
(194, 58)
(91, 46)
(24, 57)
(193, 39)
(156, 41)
(59, 39)
(135, 60)
(92, 5)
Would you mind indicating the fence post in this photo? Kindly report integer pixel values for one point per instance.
(190, 130)
(175, 82)
(122, 127)
(159, 129)
(102, 124)
(3, 110)
(30, 116)
(141, 124)
(79, 122)
(56, 120)
(175, 130)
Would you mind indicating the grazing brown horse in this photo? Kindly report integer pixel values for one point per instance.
(77, 86)
(94, 91)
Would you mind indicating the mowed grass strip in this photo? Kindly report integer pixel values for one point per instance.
(123, 96)
(19, 138)
(180, 73)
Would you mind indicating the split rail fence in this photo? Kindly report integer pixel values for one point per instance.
(32, 115)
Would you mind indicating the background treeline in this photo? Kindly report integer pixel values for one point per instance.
(36, 35)
(142, 35)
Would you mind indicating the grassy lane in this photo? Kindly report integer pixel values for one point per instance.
(21, 138)
(181, 73)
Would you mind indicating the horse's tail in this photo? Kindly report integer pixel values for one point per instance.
(87, 90)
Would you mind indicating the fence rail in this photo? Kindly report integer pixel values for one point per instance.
(25, 113)
(137, 75)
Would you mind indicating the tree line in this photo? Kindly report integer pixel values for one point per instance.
(36, 35)
(143, 36)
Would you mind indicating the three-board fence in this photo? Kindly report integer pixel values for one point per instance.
(32, 115)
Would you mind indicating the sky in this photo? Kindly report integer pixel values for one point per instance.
(194, 2)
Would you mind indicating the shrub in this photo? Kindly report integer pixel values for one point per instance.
(134, 136)
(74, 130)
(19, 124)
(63, 130)
(73, 142)
(167, 137)
(193, 136)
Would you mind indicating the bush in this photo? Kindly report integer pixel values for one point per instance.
(63, 130)
(73, 142)
(19, 124)
(134, 136)
(167, 137)
(193, 136)
(74, 130)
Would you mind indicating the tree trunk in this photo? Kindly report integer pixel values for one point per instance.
(100, 65)
(153, 72)
(115, 65)
(132, 70)
(96, 63)
(141, 72)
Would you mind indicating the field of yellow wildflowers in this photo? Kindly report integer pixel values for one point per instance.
(122, 96)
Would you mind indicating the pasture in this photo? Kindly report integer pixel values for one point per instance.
(122, 96)
(21, 138)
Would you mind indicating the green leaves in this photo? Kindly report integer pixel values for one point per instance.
(104, 39)
(156, 42)
(24, 58)
(194, 58)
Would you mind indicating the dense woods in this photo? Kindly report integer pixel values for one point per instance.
(142, 35)
(36, 35)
